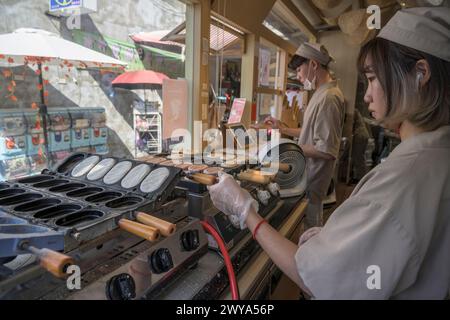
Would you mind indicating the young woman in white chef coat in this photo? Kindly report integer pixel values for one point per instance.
(391, 238)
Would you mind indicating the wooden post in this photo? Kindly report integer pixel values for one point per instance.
(249, 75)
(197, 67)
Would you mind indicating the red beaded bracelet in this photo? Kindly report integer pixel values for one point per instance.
(257, 227)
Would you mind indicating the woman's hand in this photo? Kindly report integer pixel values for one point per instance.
(231, 199)
(274, 123)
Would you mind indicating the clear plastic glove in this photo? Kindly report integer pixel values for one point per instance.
(232, 200)
(308, 234)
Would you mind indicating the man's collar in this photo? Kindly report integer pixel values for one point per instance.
(327, 85)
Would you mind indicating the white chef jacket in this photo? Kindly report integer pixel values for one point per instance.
(391, 238)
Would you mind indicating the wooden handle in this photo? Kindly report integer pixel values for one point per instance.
(164, 227)
(255, 177)
(206, 179)
(140, 230)
(283, 167)
(54, 262)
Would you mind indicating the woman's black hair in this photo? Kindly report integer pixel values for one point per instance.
(427, 107)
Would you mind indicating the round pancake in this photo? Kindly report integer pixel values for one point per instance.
(197, 168)
(155, 160)
(213, 171)
(168, 163)
(183, 166)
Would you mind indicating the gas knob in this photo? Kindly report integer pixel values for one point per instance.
(121, 287)
(161, 261)
(190, 240)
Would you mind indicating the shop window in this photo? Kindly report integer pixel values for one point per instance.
(86, 111)
(269, 66)
(271, 80)
(268, 105)
(227, 47)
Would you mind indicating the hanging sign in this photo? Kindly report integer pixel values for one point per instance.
(56, 5)
(73, 7)
(237, 111)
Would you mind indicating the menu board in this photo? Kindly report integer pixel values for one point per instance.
(237, 110)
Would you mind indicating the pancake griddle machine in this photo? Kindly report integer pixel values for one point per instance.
(76, 208)
(86, 194)
(291, 182)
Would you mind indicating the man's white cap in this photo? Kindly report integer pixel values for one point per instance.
(426, 29)
(314, 51)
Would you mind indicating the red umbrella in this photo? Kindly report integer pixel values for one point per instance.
(139, 79)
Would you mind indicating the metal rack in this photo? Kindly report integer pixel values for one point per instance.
(153, 129)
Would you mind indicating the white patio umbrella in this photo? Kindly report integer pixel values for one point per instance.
(34, 45)
(38, 47)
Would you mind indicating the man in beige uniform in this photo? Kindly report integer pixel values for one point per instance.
(321, 132)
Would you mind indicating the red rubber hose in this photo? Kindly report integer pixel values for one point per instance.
(231, 276)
